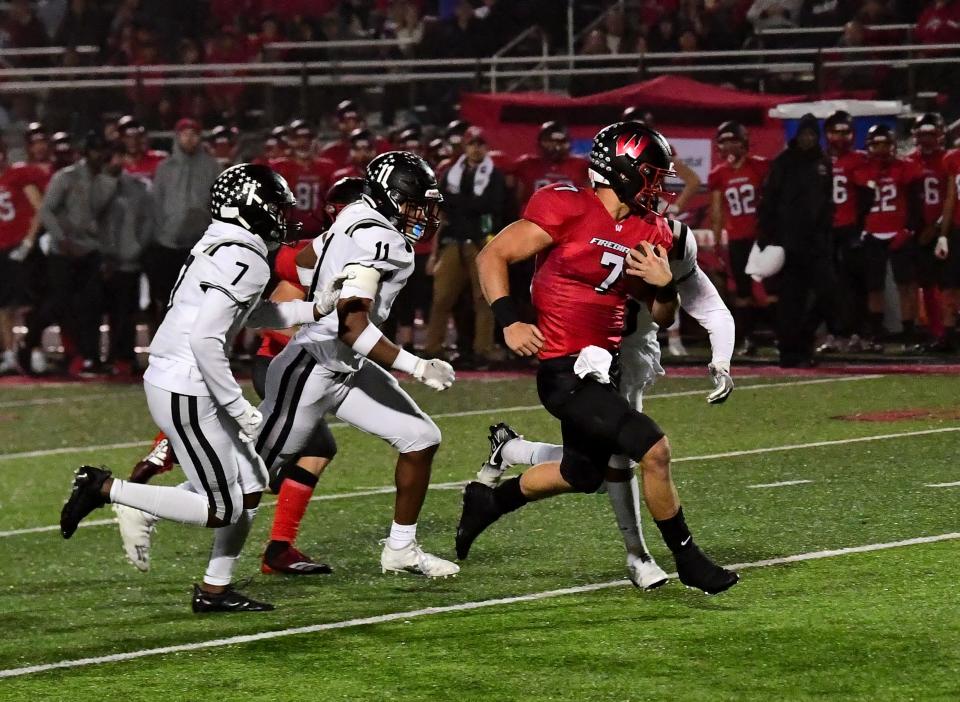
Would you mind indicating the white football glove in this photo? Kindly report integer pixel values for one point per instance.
(327, 297)
(251, 422)
(723, 383)
(942, 249)
(434, 373)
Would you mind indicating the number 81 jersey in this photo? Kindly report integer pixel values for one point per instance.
(578, 288)
(359, 236)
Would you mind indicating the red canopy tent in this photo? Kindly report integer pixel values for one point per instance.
(682, 108)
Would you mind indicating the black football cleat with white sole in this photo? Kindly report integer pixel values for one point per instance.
(695, 569)
(479, 511)
(227, 601)
(84, 498)
(492, 469)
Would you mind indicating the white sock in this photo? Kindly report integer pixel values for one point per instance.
(161, 501)
(228, 542)
(401, 535)
(520, 452)
(625, 500)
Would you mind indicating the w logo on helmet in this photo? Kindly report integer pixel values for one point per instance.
(632, 144)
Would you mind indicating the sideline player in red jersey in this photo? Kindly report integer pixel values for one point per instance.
(584, 240)
(890, 211)
(363, 148)
(295, 482)
(309, 177)
(735, 186)
(927, 156)
(349, 119)
(138, 161)
(848, 244)
(948, 250)
(551, 164)
(21, 193)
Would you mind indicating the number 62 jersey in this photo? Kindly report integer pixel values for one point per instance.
(359, 236)
(578, 288)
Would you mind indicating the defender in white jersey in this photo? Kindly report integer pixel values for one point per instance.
(640, 368)
(191, 392)
(336, 365)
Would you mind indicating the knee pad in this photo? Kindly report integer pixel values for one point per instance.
(427, 434)
(583, 474)
(637, 434)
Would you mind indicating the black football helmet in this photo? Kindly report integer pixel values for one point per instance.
(732, 130)
(404, 189)
(633, 160)
(929, 130)
(341, 194)
(839, 130)
(256, 198)
(880, 142)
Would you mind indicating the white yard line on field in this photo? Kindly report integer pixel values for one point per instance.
(782, 483)
(388, 489)
(429, 611)
(65, 400)
(956, 484)
(447, 415)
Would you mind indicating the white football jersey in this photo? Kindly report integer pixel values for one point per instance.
(228, 259)
(360, 235)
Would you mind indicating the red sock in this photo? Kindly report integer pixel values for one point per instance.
(295, 494)
(932, 303)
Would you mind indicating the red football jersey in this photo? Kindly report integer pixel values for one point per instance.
(284, 268)
(934, 182)
(951, 166)
(309, 181)
(339, 151)
(890, 182)
(578, 288)
(15, 209)
(844, 194)
(348, 171)
(740, 188)
(144, 167)
(534, 172)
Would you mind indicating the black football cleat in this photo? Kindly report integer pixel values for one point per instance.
(479, 511)
(227, 601)
(84, 498)
(695, 569)
(291, 561)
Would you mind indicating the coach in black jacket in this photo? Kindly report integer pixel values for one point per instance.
(796, 212)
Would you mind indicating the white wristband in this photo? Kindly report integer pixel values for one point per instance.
(367, 340)
(406, 362)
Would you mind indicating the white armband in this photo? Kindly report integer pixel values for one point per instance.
(367, 340)
(364, 282)
(305, 276)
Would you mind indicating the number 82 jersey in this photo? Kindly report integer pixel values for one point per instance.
(578, 287)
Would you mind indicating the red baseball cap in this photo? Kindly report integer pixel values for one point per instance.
(473, 134)
(187, 123)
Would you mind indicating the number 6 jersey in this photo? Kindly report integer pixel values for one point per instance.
(578, 287)
(359, 236)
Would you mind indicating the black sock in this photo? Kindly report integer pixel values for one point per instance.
(909, 330)
(275, 548)
(675, 533)
(876, 325)
(508, 496)
(950, 336)
(300, 475)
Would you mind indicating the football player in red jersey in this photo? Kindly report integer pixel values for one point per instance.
(363, 148)
(21, 191)
(891, 212)
(222, 144)
(552, 164)
(295, 482)
(948, 250)
(927, 156)
(309, 177)
(139, 161)
(847, 239)
(275, 146)
(735, 186)
(584, 240)
(349, 119)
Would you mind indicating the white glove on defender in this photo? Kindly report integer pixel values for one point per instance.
(942, 249)
(434, 373)
(251, 422)
(327, 297)
(723, 384)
